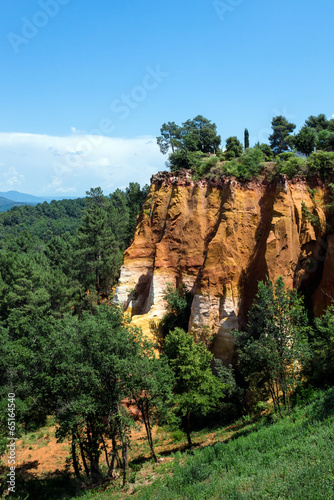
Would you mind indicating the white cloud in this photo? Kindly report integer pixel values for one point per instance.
(10, 178)
(52, 166)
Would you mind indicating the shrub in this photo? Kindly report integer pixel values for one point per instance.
(293, 166)
(247, 166)
(321, 163)
(204, 167)
(183, 158)
(266, 150)
(312, 218)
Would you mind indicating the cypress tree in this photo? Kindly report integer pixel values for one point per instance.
(246, 139)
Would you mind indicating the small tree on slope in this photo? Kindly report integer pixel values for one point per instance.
(275, 344)
(197, 391)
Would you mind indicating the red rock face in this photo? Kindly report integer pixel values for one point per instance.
(220, 239)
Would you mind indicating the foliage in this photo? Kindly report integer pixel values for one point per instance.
(325, 140)
(205, 166)
(250, 164)
(275, 342)
(320, 369)
(317, 123)
(188, 142)
(313, 218)
(177, 314)
(263, 461)
(170, 137)
(266, 150)
(198, 134)
(305, 140)
(197, 391)
(279, 139)
(65, 254)
(183, 158)
(293, 166)
(150, 387)
(246, 139)
(321, 163)
(234, 148)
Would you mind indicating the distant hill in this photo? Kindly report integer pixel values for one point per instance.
(24, 198)
(6, 204)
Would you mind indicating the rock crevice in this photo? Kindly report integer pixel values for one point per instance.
(220, 239)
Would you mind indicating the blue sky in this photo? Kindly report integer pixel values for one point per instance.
(86, 84)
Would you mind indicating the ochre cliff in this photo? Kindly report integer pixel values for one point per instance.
(220, 239)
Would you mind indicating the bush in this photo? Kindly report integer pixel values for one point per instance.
(179, 302)
(320, 368)
(183, 158)
(266, 150)
(247, 166)
(204, 167)
(321, 163)
(293, 167)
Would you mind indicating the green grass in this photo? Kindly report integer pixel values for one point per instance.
(291, 458)
(288, 458)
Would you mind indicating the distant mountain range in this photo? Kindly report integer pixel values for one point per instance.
(11, 199)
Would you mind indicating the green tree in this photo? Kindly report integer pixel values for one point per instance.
(197, 390)
(170, 137)
(183, 158)
(178, 308)
(305, 140)
(320, 368)
(275, 344)
(318, 123)
(81, 366)
(149, 382)
(188, 142)
(266, 150)
(234, 148)
(246, 139)
(325, 140)
(279, 139)
(101, 256)
(200, 134)
(24, 293)
(136, 197)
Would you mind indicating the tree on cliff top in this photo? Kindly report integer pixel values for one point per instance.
(194, 136)
(246, 139)
(279, 139)
(234, 148)
(305, 140)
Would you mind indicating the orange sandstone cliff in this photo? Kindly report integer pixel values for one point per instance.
(220, 238)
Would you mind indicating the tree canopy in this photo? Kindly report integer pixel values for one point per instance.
(279, 139)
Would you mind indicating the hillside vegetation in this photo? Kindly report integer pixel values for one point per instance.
(73, 358)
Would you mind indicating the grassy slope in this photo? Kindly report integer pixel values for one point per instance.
(292, 458)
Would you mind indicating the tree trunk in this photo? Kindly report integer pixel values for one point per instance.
(82, 451)
(146, 420)
(74, 458)
(114, 457)
(125, 459)
(188, 429)
(105, 451)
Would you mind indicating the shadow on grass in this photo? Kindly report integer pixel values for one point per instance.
(323, 407)
(53, 486)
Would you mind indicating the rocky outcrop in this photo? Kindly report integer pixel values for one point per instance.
(220, 239)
